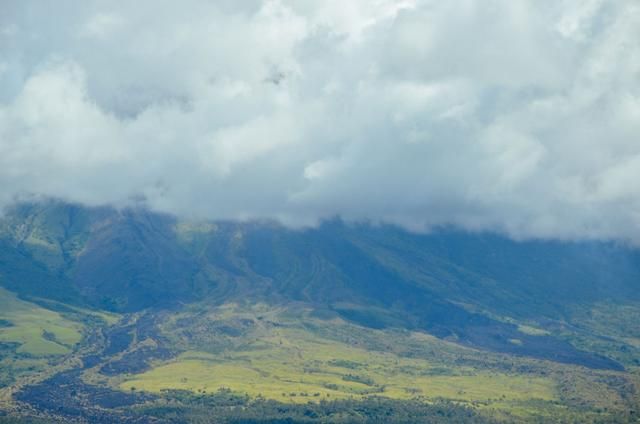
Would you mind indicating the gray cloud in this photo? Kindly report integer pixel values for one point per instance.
(520, 117)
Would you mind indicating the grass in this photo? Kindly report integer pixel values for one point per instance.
(108, 318)
(291, 355)
(36, 332)
(609, 329)
(294, 365)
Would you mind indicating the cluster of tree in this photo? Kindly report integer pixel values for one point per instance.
(359, 379)
(227, 408)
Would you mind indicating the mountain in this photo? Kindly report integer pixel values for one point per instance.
(523, 330)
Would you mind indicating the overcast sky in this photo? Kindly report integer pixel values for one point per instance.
(518, 116)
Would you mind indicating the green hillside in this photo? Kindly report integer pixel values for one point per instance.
(208, 315)
(37, 331)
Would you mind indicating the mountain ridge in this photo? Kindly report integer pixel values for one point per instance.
(448, 283)
(140, 310)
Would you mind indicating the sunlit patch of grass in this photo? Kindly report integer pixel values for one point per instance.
(293, 365)
(36, 331)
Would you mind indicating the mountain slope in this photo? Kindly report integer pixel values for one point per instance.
(553, 322)
(450, 284)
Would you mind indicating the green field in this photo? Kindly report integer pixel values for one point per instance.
(301, 375)
(35, 331)
(296, 355)
(297, 365)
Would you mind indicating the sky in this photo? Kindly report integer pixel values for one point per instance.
(521, 117)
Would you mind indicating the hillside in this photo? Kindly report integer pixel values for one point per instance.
(136, 312)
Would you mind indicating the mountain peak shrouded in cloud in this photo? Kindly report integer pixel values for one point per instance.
(520, 117)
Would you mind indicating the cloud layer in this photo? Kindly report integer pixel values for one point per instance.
(520, 117)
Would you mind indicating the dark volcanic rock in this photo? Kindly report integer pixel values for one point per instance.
(66, 395)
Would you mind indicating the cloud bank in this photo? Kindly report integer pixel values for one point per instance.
(519, 117)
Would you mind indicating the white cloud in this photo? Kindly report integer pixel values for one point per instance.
(521, 117)
(102, 25)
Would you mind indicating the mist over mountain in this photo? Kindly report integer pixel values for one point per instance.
(520, 118)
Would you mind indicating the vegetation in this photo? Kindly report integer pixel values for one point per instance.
(340, 323)
(291, 357)
(226, 407)
(36, 332)
(298, 366)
